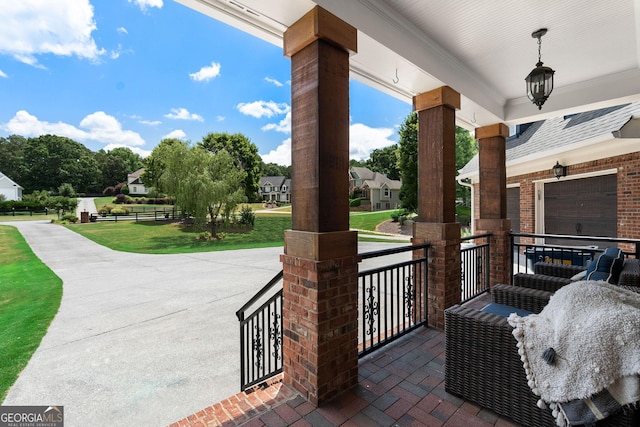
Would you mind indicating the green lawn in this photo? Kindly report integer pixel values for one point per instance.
(161, 238)
(133, 207)
(30, 295)
(368, 220)
(152, 237)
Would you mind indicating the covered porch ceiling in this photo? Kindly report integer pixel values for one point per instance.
(483, 50)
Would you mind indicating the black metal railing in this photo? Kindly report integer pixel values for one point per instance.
(474, 265)
(392, 298)
(261, 335)
(526, 254)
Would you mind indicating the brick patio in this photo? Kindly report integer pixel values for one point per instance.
(401, 384)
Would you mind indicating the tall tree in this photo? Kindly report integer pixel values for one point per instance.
(132, 160)
(113, 169)
(52, 160)
(466, 148)
(385, 160)
(408, 161)
(245, 154)
(272, 169)
(203, 183)
(155, 163)
(12, 157)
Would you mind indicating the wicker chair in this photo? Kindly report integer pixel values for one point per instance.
(550, 277)
(483, 365)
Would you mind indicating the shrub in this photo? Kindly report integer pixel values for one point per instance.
(105, 209)
(70, 218)
(109, 191)
(124, 189)
(122, 199)
(247, 216)
(120, 211)
(66, 190)
(354, 203)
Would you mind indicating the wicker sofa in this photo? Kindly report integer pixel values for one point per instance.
(550, 277)
(483, 365)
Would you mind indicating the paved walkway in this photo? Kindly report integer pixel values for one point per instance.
(139, 340)
(399, 385)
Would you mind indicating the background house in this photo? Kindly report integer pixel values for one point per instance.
(9, 188)
(275, 189)
(135, 184)
(383, 193)
(599, 194)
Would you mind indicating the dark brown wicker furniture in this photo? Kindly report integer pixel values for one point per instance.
(550, 277)
(483, 365)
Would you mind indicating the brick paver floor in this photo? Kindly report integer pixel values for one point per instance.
(401, 384)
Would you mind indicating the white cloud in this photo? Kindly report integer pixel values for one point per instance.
(183, 114)
(137, 150)
(97, 126)
(150, 122)
(273, 81)
(2, 74)
(260, 109)
(220, 118)
(145, 4)
(283, 126)
(177, 134)
(122, 30)
(281, 155)
(364, 139)
(59, 27)
(206, 73)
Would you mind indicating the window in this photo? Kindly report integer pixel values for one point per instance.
(134, 189)
(387, 193)
(267, 189)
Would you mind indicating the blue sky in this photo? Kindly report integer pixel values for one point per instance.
(110, 73)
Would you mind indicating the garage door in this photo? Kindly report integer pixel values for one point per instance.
(587, 206)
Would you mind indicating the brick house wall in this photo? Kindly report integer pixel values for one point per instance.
(628, 194)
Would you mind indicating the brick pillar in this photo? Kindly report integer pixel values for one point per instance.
(320, 314)
(436, 197)
(493, 199)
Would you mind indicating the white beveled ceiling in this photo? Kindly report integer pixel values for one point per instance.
(482, 49)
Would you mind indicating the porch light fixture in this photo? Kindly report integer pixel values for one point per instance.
(559, 171)
(540, 79)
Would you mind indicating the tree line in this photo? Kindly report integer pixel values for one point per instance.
(46, 162)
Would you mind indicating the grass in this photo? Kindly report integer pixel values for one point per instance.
(152, 237)
(30, 295)
(368, 220)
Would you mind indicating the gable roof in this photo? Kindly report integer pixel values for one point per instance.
(275, 181)
(562, 134)
(374, 180)
(6, 182)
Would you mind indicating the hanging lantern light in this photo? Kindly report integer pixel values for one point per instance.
(540, 79)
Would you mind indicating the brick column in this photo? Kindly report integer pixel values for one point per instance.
(436, 197)
(493, 199)
(320, 315)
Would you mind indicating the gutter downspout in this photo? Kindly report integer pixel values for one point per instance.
(464, 183)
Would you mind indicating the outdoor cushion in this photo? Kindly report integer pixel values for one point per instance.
(607, 266)
(579, 276)
(505, 310)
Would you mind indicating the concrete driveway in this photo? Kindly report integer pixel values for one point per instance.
(139, 340)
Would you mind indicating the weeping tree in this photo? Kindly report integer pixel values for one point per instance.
(204, 184)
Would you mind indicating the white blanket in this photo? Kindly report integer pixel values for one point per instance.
(591, 330)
